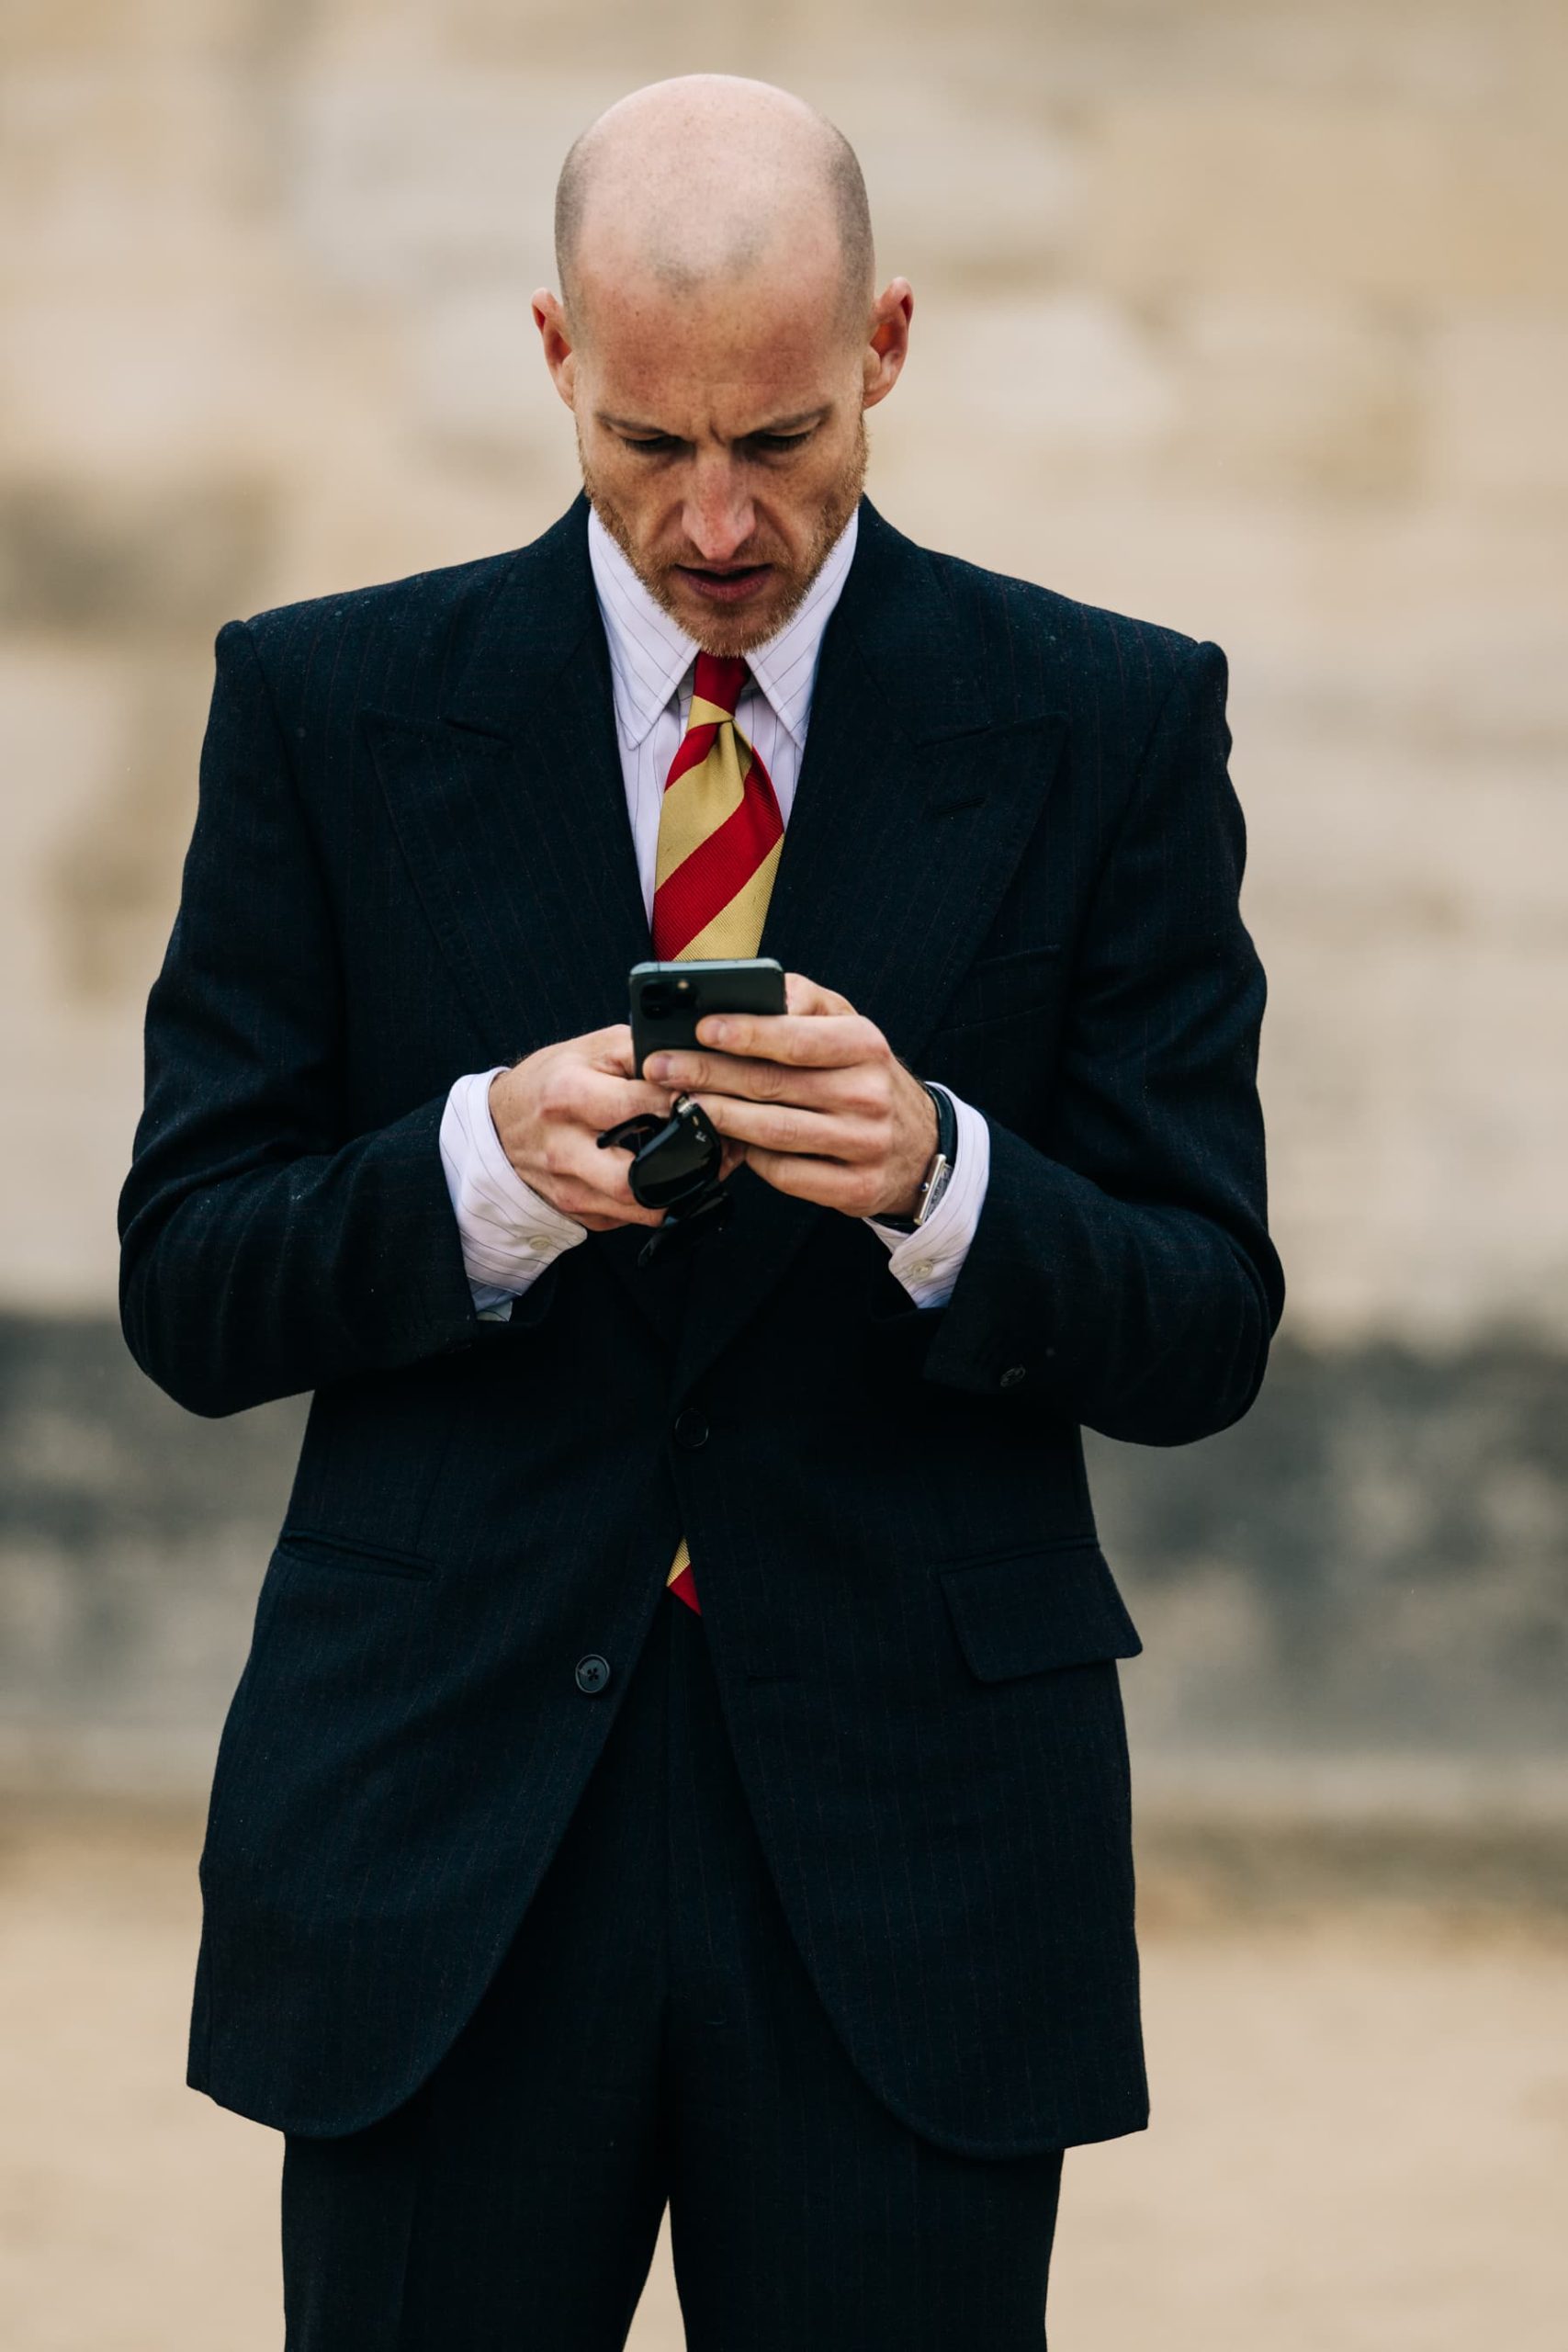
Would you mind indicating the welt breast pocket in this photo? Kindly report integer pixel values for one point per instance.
(996, 1043)
(998, 988)
(348, 1556)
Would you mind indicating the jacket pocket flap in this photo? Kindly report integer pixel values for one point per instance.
(1054, 1604)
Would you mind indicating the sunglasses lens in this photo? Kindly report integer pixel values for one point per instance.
(676, 1161)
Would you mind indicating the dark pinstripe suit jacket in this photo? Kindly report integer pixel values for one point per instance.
(1013, 846)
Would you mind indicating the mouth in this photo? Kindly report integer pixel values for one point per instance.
(722, 584)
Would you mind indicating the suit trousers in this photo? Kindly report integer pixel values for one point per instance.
(651, 2037)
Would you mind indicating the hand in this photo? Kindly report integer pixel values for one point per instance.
(817, 1097)
(548, 1109)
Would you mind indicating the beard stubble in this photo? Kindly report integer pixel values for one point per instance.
(722, 635)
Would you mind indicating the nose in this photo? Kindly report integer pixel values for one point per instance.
(717, 515)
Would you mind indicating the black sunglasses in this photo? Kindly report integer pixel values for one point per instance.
(675, 1164)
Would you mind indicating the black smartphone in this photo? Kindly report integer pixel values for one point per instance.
(669, 1000)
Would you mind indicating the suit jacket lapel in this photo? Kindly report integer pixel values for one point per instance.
(912, 809)
(511, 808)
(911, 813)
(511, 813)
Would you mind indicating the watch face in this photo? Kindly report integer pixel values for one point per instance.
(938, 1187)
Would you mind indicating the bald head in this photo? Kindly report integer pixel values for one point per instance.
(719, 340)
(706, 179)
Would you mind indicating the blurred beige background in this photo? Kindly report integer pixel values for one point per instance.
(1248, 317)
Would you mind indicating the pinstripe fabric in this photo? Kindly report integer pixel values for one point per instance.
(509, 1233)
(652, 2036)
(1015, 846)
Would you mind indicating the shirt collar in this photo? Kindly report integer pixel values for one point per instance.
(650, 653)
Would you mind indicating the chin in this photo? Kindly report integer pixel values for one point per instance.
(726, 633)
(726, 638)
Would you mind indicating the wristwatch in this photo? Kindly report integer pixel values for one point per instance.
(934, 1183)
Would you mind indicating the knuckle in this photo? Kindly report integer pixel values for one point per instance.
(556, 1089)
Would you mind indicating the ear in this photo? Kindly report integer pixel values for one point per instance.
(887, 344)
(555, 334)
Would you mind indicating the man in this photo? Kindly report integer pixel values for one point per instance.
(681, 1756)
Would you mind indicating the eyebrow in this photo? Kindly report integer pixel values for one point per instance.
(775, 424)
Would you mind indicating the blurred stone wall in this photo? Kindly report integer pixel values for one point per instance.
(1251, 318)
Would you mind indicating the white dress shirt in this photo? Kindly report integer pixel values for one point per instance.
(509, 1232)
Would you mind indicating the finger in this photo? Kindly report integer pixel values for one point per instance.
(594, 1099)
(615, 1057)
(805, 996)
(592, 1179)
(611, 1049)
(785, 1127)
(761, 1081)
(827, 1181)
(822, 1041)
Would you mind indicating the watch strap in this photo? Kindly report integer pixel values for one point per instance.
(946, 1149)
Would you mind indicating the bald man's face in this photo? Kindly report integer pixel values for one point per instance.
(721, 432)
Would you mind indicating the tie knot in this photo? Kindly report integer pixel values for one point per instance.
(718, 679)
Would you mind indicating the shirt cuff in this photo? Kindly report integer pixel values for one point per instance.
(930, 1261)
(509, 1232)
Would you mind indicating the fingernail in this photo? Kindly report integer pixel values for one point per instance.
(717, 1031)
(657, 1066)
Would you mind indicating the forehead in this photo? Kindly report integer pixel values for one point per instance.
(734, 347)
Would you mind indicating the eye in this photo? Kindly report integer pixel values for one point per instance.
(776, 444)
(655, 444)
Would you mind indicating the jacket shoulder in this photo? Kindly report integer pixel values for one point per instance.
(394, 627)
(1018, 617)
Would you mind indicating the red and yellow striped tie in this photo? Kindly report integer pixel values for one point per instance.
(720, 835)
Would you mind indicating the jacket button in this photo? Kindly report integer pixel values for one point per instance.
(690, 1429)
(593, 1673)
(1013, 1375)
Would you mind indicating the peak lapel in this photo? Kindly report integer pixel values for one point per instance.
(909, 819)
(511, 813)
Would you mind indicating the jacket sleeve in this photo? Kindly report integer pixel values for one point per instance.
(263, 1250)
(1122, 1273)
